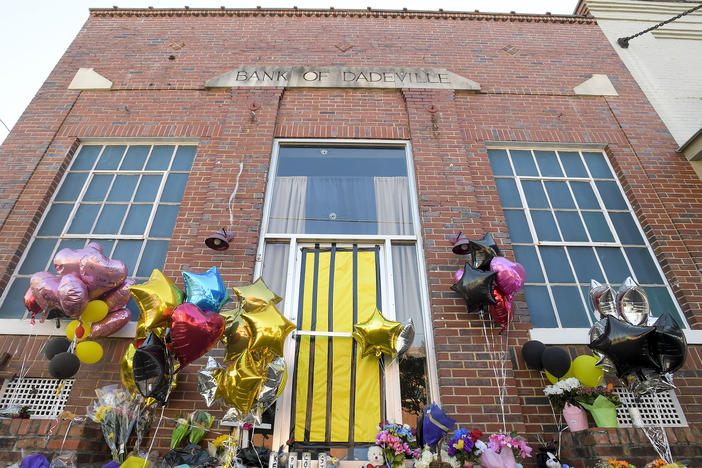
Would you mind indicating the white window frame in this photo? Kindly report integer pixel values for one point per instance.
(558, 335)
(297, 241)
(22, 326)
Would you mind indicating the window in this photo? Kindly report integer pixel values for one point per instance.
(125, 197)
(341, 237)
(570, 222)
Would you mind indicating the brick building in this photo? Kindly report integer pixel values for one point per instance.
(366, 138)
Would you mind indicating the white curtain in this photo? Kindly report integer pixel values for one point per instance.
(275, 270)
(392, 205)
(407, 297)
(288, 205)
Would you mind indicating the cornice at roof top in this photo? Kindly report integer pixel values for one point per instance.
(292, 12)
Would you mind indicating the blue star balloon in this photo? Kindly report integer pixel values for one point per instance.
(206, 290)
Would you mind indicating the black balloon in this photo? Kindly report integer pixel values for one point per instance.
(532, 352)
(668, 346)
(556, 361)
(476, 287)
(153, 369)
(64, 365)
(483, 251)
(56, 345)
(626, 346)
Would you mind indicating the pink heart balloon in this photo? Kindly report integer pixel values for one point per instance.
(113, 322)
(100, 274)
(510, 275)
(68, 260)
(73, 294)
(194, 332)
(44, 287)
(118, 297)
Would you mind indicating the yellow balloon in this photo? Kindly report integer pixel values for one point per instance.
(268, 328)
(74, 326)
(126, 371)
(89, 352)
(377, 335)
(255, 296)
(240, 383)
(156, 300)
(94, 311)
(586, 371)
(236, 335)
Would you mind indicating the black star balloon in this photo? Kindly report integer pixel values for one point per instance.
(626, 346)
(476, 287)
(482, 251)
(669, 346)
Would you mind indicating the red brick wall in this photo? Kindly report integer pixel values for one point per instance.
(526, 97)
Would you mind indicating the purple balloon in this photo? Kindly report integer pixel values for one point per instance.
(44, 287)
(101, 274)
(118, 297)
(73, 294)
(510, 275)
(112, 322)
(458, 275)
(68, 260)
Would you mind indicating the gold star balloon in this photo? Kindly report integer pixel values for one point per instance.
(255, 296)
(126, 371)
(236, 334)
(156, 300)
(240, 383)
(377, 335)
(268, 328)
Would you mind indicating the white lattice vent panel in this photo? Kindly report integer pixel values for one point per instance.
(46, 398)
(661, 409)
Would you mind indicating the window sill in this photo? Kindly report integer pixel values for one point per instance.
(48, 328)
(574, 336)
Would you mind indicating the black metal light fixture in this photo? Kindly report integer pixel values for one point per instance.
(220, 240)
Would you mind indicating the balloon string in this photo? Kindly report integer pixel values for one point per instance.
(153, 438)
(230, 204)
(65, 435)
(668, 456)
(501, 376)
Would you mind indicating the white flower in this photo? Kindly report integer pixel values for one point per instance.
(453, 461)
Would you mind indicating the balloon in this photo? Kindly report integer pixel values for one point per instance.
(603, 299)
(208, 381)
(532, 352)
(510, 275)
(502, 311)
(206, 290)
(255, 296)
(406, 337)
(78, 330)
(119, 297)
(556, 361)
(89, 352)
(153, 369)
(241, 383)
(236, 335)
(377, 335)
(55, 346)
(476, 287)
(669, 346)
(31, 304)
(269, 329)
(156, 300)
(68, 260)
(633, 303)
(94, 311)
(276, 376)
(126, 371)
(457, 275)
(482, 252)
(627, 346)
(194, 332)
(553, 379)
(73, 294)
(44, 287)
(648, 382)
(586, 371)
(64, 365)
(112, 323)
(100, 274)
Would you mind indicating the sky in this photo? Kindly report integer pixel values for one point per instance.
(35, 34)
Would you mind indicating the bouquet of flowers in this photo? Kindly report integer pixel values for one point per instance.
(462, 448)
(116, 411)
(612, 463)
(589, 395)
(425, 459)
(562, 392)
(200, 423)
(398, 442)
(658, 463)
(515, 442)
(142, 426)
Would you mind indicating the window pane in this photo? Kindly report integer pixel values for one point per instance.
(559, 194)
(153, 257)
(540, 308)
(585, 264)
(164, 221)
(611, 195)
(626, 228)
(74, 244)
(524, 163)
(174, 188)
(556, 264)
(571, 226)
(135, 158)
(534, 194)
(499, 162)
(13, 307)
(597, 226)
(572, 164)
(123, 188)
(545, 225)
(570, 307)
(137, 218)
(98, 188)
(275, 269)
(526, 255)
(148, 188)
(110, 219)
(661, 301)
(184, 158)
(38, 256)
(509, 196)
(86, 158)
(128, 252)
(548, 163)
(55, 220)
(614, 264)
(407, 288)
(585, 196)
(517, 225)
(110, 158)
(643, 265)
(160, 158)
(84, 219)
(341, 161)
(71, 187)
(106, 244)
(598, 166)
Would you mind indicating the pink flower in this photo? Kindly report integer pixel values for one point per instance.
(497, 441)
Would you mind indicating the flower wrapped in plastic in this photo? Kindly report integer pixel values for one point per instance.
(200, 423)
(562, 392)
(116, 410)
(503, 451)
(180, 432)
(398, 442)
(462, 446)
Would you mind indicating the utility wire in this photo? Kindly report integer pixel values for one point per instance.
(3, 124)
(624, 41)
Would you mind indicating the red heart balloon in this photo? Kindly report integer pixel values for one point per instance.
(194, 332)
(502, 312)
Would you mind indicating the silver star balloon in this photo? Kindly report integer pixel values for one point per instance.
(633, 303)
